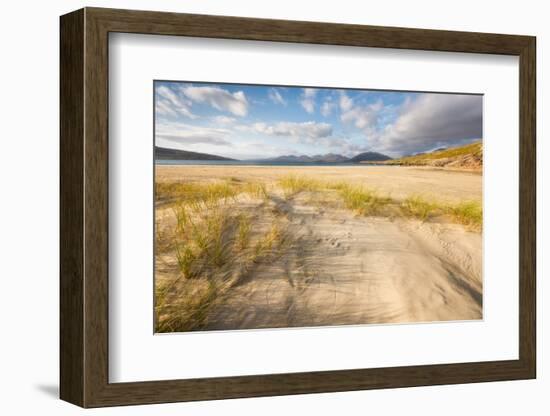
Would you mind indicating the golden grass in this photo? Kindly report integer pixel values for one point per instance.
(369, 202)
(243, 232)
(255, 189)
(473, 149)
(214, 244)
(207, 193)
(362, 200)
(194, 192)
(293, 184)
(182, 308)
(469, 213)
(418, 207)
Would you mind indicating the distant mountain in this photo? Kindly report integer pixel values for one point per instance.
(163, 153)
(369, 157)
(330, 158)
(327, 158)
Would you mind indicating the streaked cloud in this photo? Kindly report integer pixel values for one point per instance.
(224, 120)
(169, 102)
(311, 120)
(327, 108)
(307, 100)
(183, 134)
(308, 130)
(275, 96)
(235, 103)
(345, 102)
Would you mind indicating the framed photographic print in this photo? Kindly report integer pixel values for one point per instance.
(255, 207)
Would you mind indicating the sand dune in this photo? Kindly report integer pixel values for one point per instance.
(345, 269)
(341, 268)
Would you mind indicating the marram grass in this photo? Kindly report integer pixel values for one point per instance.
(216, 245)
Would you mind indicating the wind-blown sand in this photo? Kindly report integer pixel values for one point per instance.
(342, 268)
(397, 181)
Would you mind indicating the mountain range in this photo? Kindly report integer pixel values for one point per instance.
(332, 158)
(162, 153)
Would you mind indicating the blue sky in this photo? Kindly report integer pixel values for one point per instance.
(256, 121)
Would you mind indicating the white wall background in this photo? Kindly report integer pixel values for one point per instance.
(29, 207)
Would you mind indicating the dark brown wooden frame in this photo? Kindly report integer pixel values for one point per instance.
(84, 207)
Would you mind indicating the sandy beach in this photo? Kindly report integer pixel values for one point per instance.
(398, 181)
(302, 255)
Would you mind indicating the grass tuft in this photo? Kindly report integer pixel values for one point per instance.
(243, 232)
(293, 184)
(362, 200)
(194, 192)
(181, 308)
(214, 243)
(214, 246)
(469, 213)
(418, 207)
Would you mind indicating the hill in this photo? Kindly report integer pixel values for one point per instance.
(370, 157)
(468, 157)
(327, 158)
(163, 153)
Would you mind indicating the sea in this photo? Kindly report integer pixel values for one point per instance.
(256, 163)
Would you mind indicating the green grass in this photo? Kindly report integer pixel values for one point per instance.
(474, 149)
(243, 232)
(207, 193)
(195, 192)
(362, 200)
(469, 213)
(204, 236)
(418, 207)
(369, 202)
(214, 245)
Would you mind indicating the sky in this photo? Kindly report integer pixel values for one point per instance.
(259, 121)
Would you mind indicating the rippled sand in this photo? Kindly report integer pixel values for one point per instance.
(346, 269)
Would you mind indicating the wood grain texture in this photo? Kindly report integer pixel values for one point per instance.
(84, 207)
(71, 213)
(527, 208)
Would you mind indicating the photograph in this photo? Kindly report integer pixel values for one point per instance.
(307, 207)
(298, 206)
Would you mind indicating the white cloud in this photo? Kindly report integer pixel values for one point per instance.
(222, 100)
(433, 120)
(275, 96)
(326, 108)
(345, 102)
(308, 130)
(170, 103)
(363, 117)
(307, 99)
(224, 120)
(185, 134)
